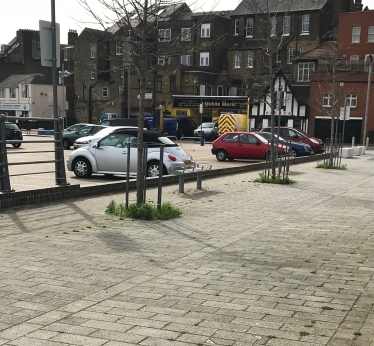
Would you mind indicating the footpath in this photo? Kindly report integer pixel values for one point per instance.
(246, 264)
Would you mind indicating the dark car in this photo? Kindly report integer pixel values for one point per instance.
(179, 127)
(124, 122)
(70, 137)
(297, 148)
(13, 132)
(243, 145)
(75, 127)
(291, 134)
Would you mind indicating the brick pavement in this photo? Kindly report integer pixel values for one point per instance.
(246, 264)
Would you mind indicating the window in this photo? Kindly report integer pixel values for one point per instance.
(186, 60)
(219, 90)
(305, 24)
(120, 90)
(305, 70)
(173, 84)
(371, 34)
(204, 59)
(104, 92)
(237, 61)
(231, 138)
(164, 35)
(273, 26)
(250, 60)
(286, 25)
(66, 53)
(279, 56)
(236, 27)
(351, 100)
(247, 139)
(93, 51)
(205, 30)
(326, 100)
(119, 48)
(12, 93)
(249, 28)
(302, 49)
(163, 60)
(159, 83)
(291, 54)
(186, 34)
(353, 62)
(356, 32)
(25, 91)
(209, 90)
(2, 93)
(93, 75)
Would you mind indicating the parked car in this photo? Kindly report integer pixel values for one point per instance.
(70, 137)
(75, 127)
(109, 155)
(179, 126)
(243, 145)
(124, 122)
(296, 148)
(13, 132)
(210, 130)
(291, 134)
(85, 141)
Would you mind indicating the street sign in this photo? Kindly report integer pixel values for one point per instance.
(347, 113)
(45, 29)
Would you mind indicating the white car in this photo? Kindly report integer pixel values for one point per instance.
(108, 155)
(86, 141)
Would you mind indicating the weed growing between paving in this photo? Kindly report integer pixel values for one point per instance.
(143, 211)
(274, 180)
(327, 166)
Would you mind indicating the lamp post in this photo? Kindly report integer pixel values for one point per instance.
(63, 74)
(369, 63)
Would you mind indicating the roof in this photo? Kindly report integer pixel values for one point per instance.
(15, 79)
(100, 35)
(273, 6)
(224, 14)
(326, 50)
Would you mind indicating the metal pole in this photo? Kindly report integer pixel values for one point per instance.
(4, 171)
(279, 98)
(370, 62)
(128, 175)
(63, 94)
(161, 170)
(345, 114)
(128, 92)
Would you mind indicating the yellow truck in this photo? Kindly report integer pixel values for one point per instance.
(232, 123)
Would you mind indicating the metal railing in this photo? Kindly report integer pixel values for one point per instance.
(282, 160)
(60, 174)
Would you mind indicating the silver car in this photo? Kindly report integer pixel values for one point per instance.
(108, 155)
(210, 130)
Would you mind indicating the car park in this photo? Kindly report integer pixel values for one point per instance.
(291, 134)
(109, 155)
(13, 132)
(209, 129)
(243, 145)
(296, 148)
(69, 138)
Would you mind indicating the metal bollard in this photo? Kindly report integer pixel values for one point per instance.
(181, 183)
(202, 140)
(199, 179)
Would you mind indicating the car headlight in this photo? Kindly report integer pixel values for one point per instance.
(84, 142)
(314, 141)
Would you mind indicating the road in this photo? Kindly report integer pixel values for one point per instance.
(36, 176)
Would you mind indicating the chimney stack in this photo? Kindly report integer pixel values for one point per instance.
(358, 6)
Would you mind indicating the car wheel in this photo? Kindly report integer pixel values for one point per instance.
(66, 144)
(82, 167)
(16, 145)
(153, 169)
(294, 153)
(221, 155)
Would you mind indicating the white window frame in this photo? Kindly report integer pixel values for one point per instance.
(205, 30)
(250, 60)
(163, 60)
(356, 34)
(305, 24)
(302, 49)
(186, 59)
(93, 74)
(12, 93)
(351, 100)
(371, 34)
(326, 101)
(105, 92)
(25, 91)
(286, 25)
(236, 27)
(249, 27)
(204, 59)
(93, 51)
(164, 35)
(237, 60)
(353, 62)
(186, 34)
(119, 48)
(2, 93)
(306, 68)
(273, 26)
(66, 54)
(291, 54)
(121, 89)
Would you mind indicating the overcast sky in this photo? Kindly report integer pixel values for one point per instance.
(25, 14)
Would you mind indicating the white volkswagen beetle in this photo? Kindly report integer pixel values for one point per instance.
(108, 155)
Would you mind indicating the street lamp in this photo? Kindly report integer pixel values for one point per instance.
(369, 63)
(63, 74)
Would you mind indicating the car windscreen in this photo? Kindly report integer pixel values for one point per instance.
(11, 127)
(262, 139)
(267, 136)
(161, 140)
(103, 132)
(207, 125)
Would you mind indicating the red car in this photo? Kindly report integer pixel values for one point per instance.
(291, 134)
(242, 145)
